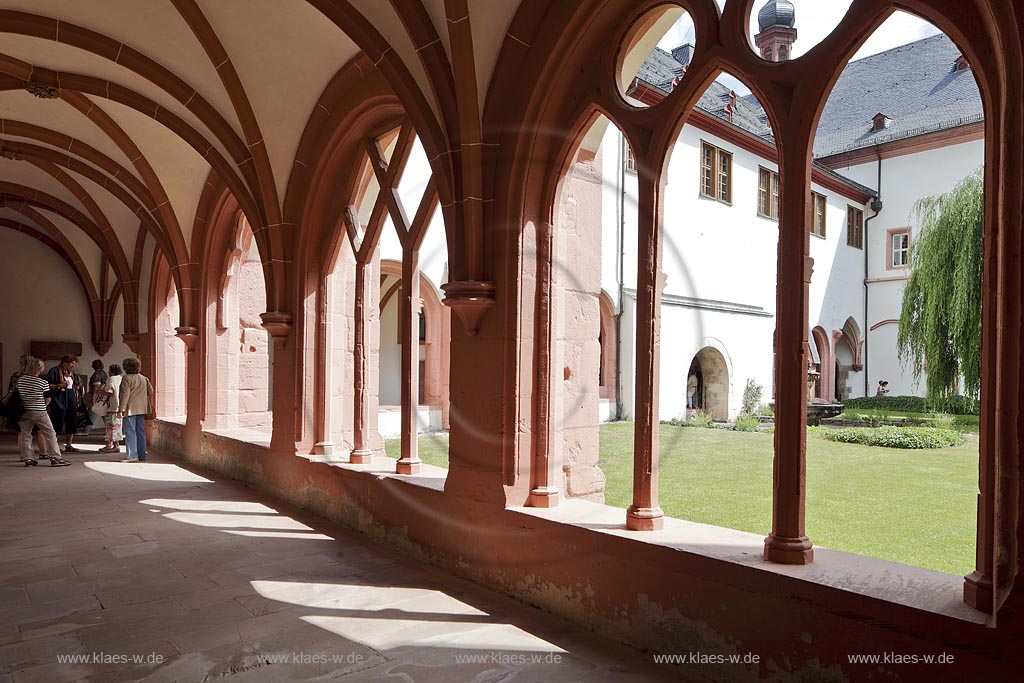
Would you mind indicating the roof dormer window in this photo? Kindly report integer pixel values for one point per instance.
(961, 64)
(880, 121)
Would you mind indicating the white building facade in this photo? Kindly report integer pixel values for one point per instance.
(900, 126)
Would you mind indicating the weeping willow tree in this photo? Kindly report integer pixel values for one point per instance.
(941, 315)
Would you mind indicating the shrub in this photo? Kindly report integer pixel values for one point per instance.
(956, 405)
(746, 423)
(751, 397)
(765, 409)
(892, 437)
(943, 421)
(702, 420)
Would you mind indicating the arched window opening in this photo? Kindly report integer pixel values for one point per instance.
(432, 336)
(169, 368)
(587, 383)
(239, 349)
(655, 54)
(385, 378)
(899, 142)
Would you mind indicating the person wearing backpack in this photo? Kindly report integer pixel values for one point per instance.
(32, 391)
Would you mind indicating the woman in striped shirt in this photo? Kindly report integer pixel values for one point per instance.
(32, 388)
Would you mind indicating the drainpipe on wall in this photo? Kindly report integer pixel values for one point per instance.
(876, 206)
(620, 258)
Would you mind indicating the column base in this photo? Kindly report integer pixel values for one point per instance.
(410, 466)
(645, 519)
(543, 497)
(783, 550)
(360, 456)
(978, 591)
(323, 448)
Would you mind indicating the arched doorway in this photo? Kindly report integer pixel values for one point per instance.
(707, 384)
(847, 361)
(823, 384)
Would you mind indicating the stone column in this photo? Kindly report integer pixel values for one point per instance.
(361, 452)
(192, 389)
(788, 543)
(544, 487)
(645, 514)
(323, 421)
(284, 367)
(409, 327)
(996, 428)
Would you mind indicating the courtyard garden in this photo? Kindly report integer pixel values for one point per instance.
(914, 506)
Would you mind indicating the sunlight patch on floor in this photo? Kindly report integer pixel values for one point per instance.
(209, 505)
(385, 617)
(150, 471)
(280, 534)
(228, 521)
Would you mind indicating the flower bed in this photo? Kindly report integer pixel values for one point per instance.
(891, 437)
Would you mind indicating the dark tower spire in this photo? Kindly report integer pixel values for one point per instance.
(777, 24)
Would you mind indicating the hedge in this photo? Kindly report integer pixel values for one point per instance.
(892, 437)
(955, 405)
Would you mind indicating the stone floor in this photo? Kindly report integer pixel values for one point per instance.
(154, 572)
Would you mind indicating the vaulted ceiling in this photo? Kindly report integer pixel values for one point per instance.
(115, 114)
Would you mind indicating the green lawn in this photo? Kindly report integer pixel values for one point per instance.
(963, 423)
(911, 506)
(433, 449)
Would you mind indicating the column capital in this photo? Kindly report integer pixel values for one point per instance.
(187, 334)
(279, 325)
(469, 300)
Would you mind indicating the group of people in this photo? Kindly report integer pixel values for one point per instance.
(49, 406)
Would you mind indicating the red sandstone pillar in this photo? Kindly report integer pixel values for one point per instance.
(323, 416)
(361, 367)
(788, 543)
(996, 547)
(979, 590)
(283, 368)
(409, 328)
(645, 514)
(543, 471)
(192, 389)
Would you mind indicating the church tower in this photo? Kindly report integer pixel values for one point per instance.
(777, 24)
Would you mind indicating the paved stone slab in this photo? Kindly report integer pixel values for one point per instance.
(213, 581)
